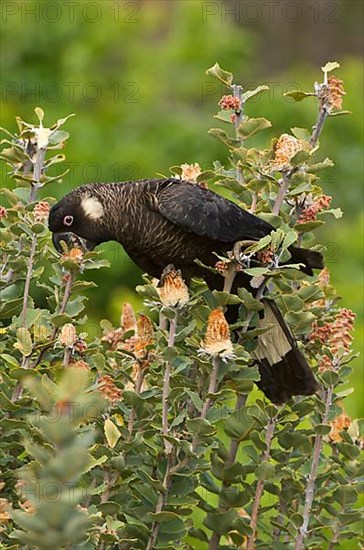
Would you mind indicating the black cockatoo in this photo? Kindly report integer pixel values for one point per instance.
(169, 221)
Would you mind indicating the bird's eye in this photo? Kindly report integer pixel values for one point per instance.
(68, 220)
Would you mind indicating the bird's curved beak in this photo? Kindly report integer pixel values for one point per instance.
(71, 241)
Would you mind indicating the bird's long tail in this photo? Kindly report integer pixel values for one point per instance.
(284, 371)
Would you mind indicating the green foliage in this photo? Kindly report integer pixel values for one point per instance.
(144, 437)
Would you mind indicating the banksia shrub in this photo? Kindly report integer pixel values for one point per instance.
(152, 434)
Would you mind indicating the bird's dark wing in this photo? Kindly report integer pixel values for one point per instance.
(205, 213)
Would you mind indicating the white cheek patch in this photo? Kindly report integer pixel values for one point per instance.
(92, 207)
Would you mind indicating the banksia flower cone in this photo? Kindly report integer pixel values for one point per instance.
(144, 337)
(217, 339)
(74, 255)
(108, 389)
(285, 149)
(172, 289)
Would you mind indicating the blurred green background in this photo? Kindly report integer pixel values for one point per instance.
(134, 74)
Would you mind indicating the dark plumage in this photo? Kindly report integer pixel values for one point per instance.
(161, 222)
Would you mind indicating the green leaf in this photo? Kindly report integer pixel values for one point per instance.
(249, 302)
(322, 429)
(300, 321)
(239, 425)
(112, 433)
(220, 522)
(24, 341)
(290, 302)
(265, 470)
(330, 66)
(345, 494)
(221, 135)
(298, 95)
(310, 293)
(250, 126)
(330, 377)
(199, 426)
(251, 93)
(40, 113)
(339, 113)
(10, 360)
(257, 271)
(223, 76)
(301, 133)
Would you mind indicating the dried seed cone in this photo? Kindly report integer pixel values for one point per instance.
(217, 339)
(4, 506)
(285, 149)
(316, 206)
(230, 102)
(337, 335)
(80, 364)
(114, 337)
(108, 389)
(128, 320)
(336, 92)
(338, 425)
(68, 335)
(41, 211)
(173, 291)
(190, 172)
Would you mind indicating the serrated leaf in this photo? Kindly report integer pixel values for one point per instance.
(251, 93)
(339, 113)
(24, 341)
(40, 113)
(112, 433)
(250, 126)
(223, 76)
(221, 135)
(298, 95)
(250, 303)
(300, 321)
(330, 66)
(301, 133)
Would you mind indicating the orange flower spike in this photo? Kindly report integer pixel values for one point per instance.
(217, 339)
(128, 320)
(172, 289)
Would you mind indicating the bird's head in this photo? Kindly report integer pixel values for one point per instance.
(78, 217)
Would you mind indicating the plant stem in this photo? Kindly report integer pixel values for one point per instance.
(317, 129)
(237, 91)
(212, 387)
(286, 176)
(166, 385)
(310, 487)
(27, 281)
(162, 499)
(66, 297)
(138, 387)
(38, 168)
(234, 445)
(260, 485)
